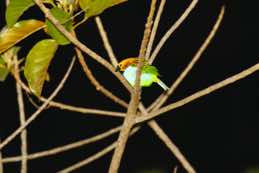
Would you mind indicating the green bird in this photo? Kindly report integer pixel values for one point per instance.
(149, 73)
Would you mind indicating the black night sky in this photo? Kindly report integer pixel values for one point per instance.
(217, 133)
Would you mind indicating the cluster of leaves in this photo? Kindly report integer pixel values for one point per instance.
(40, 56)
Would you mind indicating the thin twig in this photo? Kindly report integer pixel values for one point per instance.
(106, 41)
(70, 107)
(161, 100)
(84, 110)
(64, 148)
(154, 28)
(171, 30)
(37, 113)
(95, 156)
(200, 93)
(135, 97)
(95, 82)
(23, 135)
(167, 141)
(173, 148)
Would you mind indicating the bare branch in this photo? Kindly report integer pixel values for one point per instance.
(64, 148)
(161, 100)
(23, 135)
(200, 93)
(94, 157)
(154, 28)
(95, 82)
(173, 148)
(84, 110)
(171, 30)
(43, 106)
(167, 141)
(70, 107)
(135, 97)
(106, 42)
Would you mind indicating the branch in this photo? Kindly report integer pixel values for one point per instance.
(41, 108)
(23, 135)
(200, 93)
(154, 29)
(162, 99)
(173, 148)
(81, 46)
(83, 110)
(106, 42)
(171, 30)
(70, 107)
(95, 82)
(94, 157)
(135, 97)
(64, 148)
(168, 142)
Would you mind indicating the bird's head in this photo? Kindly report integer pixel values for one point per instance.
(126, 63)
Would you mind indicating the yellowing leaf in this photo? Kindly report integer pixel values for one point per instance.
(15, 9)
(37, 63)
(96, 7)
(18, 32)
(64, 18)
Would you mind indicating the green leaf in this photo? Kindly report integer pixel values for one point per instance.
(64, 18)
(15, 9)
(4, 71)
(18, 32)
(37, 63)
(96, 7)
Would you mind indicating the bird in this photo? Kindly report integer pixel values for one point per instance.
(149, 73)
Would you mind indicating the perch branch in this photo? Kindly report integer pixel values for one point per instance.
(23, 135)
(154, 28)
(106, 42)
(200, 93)
(135, 97)
(154, 126)
(41, 108)
(171, 30)
(161, 100)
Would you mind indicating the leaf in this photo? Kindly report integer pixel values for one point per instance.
(15, 9)
(64, 18)
(4, 71)
(18, 32)
(96, 7)
(37, 63)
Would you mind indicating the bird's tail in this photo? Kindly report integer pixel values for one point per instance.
(162, 84)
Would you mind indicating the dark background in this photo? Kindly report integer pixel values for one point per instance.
(217, 133)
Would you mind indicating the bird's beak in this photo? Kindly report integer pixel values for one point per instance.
(117, 69)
